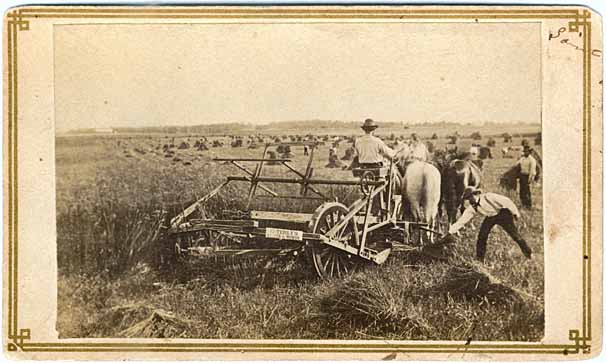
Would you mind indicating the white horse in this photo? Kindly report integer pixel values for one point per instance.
(421, 190)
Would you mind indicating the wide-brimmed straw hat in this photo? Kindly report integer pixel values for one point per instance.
(369, 124)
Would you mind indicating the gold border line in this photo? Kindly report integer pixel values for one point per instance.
(293, 350)
(476, 345)
(16, 22)
(296, 10)
(587, 142)
(10, 174)
(294, 17)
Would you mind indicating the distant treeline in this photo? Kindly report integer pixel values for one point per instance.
(225, 128)
(305, 125)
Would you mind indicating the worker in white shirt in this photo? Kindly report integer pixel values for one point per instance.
(418, 149)
(474, 156)
(528, 171)
(333, 150)
(498, 210)
(370, 150)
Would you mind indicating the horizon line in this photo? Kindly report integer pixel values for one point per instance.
(265, 124)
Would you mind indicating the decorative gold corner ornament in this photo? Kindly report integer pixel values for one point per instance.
(580, 343)
(17, 340)
(580, 20)
(16, 18)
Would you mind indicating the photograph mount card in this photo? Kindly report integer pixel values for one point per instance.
(302, 182)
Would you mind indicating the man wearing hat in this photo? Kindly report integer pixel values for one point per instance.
(498, 210)
(370, 150)
(528, 171)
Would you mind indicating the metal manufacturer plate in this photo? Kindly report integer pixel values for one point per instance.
(278, 233)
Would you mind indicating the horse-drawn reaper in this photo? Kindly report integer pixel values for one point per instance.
(336, 238)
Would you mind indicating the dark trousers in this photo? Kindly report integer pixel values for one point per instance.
(525, 196)
(505, 220)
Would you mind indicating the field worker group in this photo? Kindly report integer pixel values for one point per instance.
(497, 209)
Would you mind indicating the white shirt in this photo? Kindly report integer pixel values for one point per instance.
(528, 166)
(419, 151)
(472, 172)
(371, 149)
(489, 205)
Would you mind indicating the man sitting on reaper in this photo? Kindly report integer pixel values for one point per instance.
(370, 150)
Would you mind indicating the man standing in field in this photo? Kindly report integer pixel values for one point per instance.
(332, 150)
(370, 150)
(498, 210)
(474, 156)
(474, 152)
(528, 170)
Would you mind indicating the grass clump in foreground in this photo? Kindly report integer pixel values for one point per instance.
(405, 302)
(434, 301)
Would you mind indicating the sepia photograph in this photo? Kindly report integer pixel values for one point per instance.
(299, 181)
(302, 182)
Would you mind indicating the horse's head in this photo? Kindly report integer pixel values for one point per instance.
(459, 166)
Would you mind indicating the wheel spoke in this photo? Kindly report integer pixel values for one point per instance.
(328, 260)
(325, 265)
(324, 252)
(339, 233)
(338, 258)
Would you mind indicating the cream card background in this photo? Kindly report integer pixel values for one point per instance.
(563, 133)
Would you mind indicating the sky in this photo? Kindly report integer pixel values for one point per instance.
(191, 74)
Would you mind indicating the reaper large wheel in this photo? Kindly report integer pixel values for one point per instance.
(327, 260)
